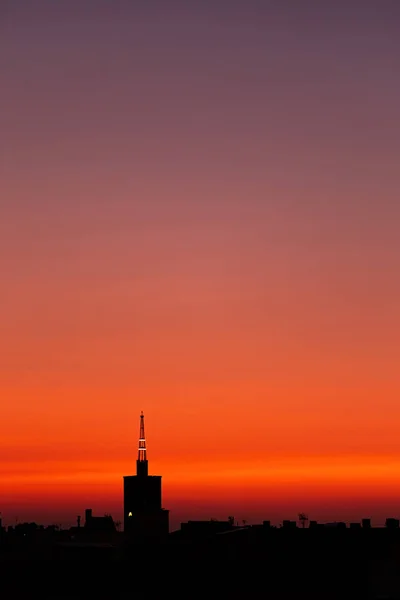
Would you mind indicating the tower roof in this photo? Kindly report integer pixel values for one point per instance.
(141, 463)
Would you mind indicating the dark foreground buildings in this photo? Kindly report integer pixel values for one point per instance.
(203, 559)
(144, 517)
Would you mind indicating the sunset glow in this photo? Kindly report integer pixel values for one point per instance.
(199, 219)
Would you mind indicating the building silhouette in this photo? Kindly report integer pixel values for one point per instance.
(144, 517)
(101, 527)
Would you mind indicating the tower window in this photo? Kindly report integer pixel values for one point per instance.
(129, 514)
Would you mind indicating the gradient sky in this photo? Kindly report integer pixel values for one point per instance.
(200, 219)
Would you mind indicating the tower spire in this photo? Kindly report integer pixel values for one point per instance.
(141, 463)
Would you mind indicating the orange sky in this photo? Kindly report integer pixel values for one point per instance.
(207, 233)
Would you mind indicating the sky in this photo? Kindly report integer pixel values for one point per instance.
(199, 208)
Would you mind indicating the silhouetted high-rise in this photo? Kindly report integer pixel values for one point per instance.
(144, 516)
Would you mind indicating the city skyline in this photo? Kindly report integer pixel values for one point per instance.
(201, 507)
(199, 213)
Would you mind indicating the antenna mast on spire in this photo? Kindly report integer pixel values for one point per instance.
(141, 463)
